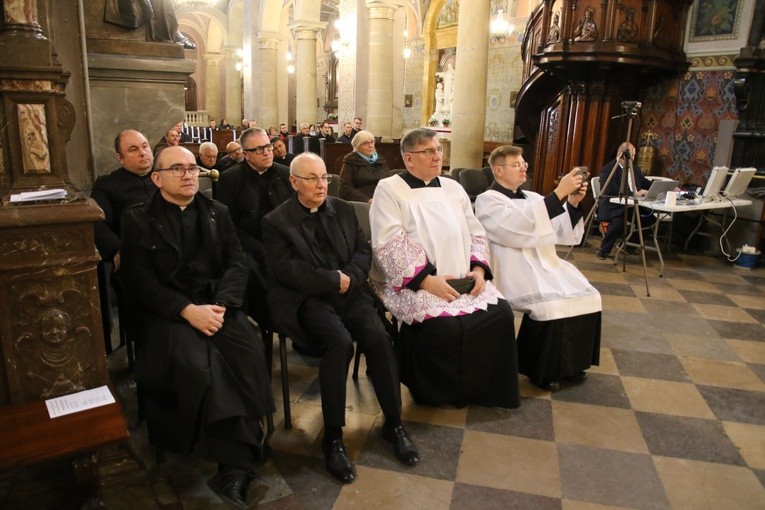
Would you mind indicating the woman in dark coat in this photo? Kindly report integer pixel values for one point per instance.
(362, 169)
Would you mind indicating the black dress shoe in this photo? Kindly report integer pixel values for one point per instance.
(403, 446)
(577, 378)
(337, 462)
(551, 386)
(229, 486)
(601, 256)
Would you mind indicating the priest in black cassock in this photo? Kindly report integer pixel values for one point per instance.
(200, 367)
(317, 265)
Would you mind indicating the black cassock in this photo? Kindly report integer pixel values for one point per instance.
(200, 394)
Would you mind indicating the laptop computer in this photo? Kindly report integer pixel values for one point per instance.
(738, 182)
(714, 184)
(657, 189)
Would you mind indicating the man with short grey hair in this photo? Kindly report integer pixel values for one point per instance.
(318, 263)
(208, 156)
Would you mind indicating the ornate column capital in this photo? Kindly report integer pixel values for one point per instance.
(380, 9)
(269, 40)
(213, 58)
(305, 29)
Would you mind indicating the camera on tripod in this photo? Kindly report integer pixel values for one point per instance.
(631, 107)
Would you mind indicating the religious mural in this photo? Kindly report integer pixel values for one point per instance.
(715, 20)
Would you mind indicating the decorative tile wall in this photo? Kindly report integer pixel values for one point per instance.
(683, 115)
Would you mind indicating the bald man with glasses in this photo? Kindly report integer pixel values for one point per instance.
(251, 189)
(318, 265)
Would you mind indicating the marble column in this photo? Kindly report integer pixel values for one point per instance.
(469, 106)
(212, 85)
(268, 108)
(347, 63)
(380, 96)
(305, 68)
(233, 94)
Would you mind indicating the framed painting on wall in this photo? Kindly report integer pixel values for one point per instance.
(718, 26)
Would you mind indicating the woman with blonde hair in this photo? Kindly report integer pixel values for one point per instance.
(362, 169)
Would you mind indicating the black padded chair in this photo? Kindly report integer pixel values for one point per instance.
(455, 173)
(489, 174)
(474, 182)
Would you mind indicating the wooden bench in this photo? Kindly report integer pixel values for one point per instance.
(28, 436)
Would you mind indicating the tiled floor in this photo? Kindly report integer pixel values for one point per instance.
(674, 417)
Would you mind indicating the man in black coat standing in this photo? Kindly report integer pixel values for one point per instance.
(251, 189)
(201, 370)
(318, 263)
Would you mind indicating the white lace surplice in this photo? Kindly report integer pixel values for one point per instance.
(411, 227)
(526, 267)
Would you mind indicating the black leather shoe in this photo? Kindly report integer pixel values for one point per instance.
(337, 462)
(229, 486)
(551, 386)
(601, 256)
(403, 446)
(577, 378)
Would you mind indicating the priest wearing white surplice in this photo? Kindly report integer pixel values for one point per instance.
(560, 333)
(456, 344)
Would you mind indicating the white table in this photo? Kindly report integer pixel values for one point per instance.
(660, 210)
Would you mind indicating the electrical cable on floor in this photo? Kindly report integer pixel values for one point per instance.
(725, 233)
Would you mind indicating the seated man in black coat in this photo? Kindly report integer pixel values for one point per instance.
(317, 265)
(251, 189)
(200, 367)
(614, 213)
(128, 185)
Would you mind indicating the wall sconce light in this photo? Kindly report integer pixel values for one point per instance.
(338, 44)
(501, 30)
(238, 57)
(290, 58)
(499, 25)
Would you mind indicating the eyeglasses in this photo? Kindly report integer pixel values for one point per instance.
(261, 149)
(429, 152)
(517, 165)
(180, 170)
(326, 178)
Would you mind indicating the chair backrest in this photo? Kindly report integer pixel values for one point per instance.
(333, 188)
(362, 214)
(456, 172)
(595, 187)
(473, 181)
(206, 186)
(489, 174)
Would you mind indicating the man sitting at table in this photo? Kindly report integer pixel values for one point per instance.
(614, 213)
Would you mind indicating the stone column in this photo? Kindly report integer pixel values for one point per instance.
(212, 85)
(305, 68)
(469, 106)
(233, 95)
(347, 76)
(269, 111)
(380, 97)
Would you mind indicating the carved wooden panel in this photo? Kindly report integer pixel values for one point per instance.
(51, 348)
(51, 339)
